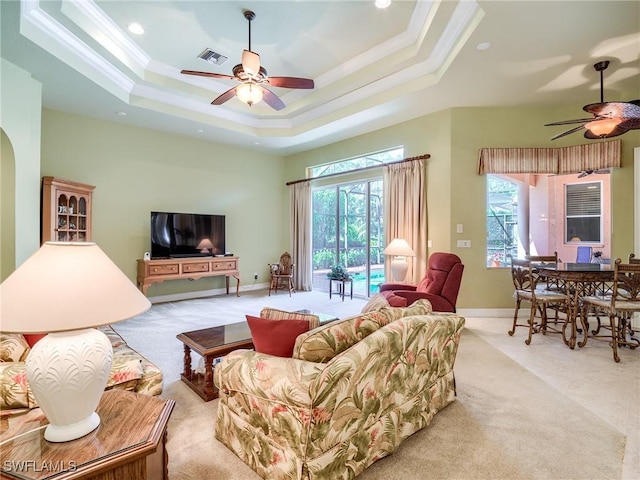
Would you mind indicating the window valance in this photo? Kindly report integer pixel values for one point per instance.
(561, 160)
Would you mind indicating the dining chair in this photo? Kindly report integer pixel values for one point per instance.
(551, 284)
(620, 307)
(583, 254)
(525, 281)
(633, 258)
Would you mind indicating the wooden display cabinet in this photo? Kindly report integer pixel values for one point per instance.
(66, 210)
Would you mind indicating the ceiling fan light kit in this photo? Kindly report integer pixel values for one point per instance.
(252, 77)
(249, 93)
(610, 119)
(603, 127)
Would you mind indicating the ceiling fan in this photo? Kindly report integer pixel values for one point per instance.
(610, 119)
(253, 77)
(585, 173)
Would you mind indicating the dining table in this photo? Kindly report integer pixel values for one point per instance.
(576, 280)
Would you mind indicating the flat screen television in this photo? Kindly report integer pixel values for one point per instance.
(186, 235)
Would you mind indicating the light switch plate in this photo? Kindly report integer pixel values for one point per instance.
(464, 243)
(459, 228)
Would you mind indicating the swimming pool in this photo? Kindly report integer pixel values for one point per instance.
(360, 281)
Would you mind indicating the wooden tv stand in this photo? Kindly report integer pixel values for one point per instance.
(193, 268)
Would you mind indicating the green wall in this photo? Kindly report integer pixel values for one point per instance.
(20, 120)
(7, 207)
(456, 193)
(137, 170)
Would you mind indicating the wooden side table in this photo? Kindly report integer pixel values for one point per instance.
(129, 443)
(342, 286)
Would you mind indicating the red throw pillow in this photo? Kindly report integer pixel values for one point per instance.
(276, 337)
(33, 338)
(394, 300)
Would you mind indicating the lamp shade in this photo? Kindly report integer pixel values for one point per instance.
(67, 286)
(204, 245)
(400, 248)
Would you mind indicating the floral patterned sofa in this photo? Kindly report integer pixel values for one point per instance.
(353, 391)
(129, 371)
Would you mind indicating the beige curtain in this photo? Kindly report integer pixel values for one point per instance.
(562, 160)
(405, 212)
(300, 199)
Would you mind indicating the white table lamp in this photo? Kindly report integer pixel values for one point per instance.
(65, 289)
(399, 249)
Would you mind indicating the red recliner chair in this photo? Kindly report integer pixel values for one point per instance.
(440, 285)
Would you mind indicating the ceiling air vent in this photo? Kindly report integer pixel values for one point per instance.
(210, 56)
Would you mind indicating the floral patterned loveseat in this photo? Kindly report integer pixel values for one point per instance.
(353, 391)
(129, 371)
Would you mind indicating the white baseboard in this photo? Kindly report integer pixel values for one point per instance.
(176, 297)
(486, 312)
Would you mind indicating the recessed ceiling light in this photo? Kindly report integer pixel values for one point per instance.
(136, 28)
(199, 130)
(483, 46)
(383, 3)
(121, 114)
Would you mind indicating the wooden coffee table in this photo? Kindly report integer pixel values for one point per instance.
(216, 342)
(211, 343)
(324, 317)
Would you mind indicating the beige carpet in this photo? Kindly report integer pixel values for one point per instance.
(507, 423)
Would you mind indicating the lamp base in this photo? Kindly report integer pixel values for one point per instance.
(67, 373)
(399, 267)
(65, 433)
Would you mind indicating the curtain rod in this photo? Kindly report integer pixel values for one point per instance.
(409, 159)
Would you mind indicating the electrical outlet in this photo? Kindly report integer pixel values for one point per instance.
(255, 276)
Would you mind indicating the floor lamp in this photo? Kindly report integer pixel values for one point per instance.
(399, 249)
(66, 289)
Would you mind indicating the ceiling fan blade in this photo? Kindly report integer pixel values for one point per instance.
(272, 99)
(291, 82)
(569, 122)
(206, 74)
(250, 62)
(228, 95)
(568, 132)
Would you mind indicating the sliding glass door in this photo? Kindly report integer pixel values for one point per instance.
(348, 231)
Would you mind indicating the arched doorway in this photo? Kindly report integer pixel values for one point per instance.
(7, 207)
